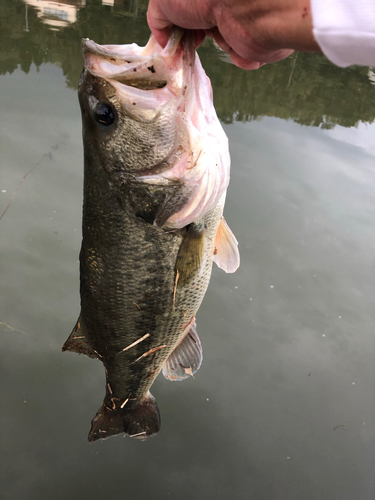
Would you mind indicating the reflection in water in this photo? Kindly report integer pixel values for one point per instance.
(288, 340)
(371, 75)
(334, 96)
(56, 15)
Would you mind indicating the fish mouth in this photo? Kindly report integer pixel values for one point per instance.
(163, 128)
(145, 68)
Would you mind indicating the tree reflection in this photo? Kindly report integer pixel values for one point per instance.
(305, 88)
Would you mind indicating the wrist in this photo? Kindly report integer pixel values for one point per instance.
(292, 27)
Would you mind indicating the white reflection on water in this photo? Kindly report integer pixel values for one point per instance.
(283, 405)
(361, 136)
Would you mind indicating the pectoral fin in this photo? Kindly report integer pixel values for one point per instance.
(190, 254)
(79, 342)
(186, 358)
(226, 254)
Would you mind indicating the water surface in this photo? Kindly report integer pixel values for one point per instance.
(283, 405)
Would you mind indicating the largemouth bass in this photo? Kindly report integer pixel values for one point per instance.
(156, 170)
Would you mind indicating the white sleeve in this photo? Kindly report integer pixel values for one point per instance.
(345, 30)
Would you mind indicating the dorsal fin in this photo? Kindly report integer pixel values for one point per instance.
(78, 341)
(186, 358)
(226, 254)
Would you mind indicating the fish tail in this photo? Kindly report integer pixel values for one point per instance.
(140, 421)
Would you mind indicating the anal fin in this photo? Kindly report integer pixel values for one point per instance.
(78, 341)
(186, 358)
(226, 254)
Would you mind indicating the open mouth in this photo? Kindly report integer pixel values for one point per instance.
(145, 68)
(163, 101)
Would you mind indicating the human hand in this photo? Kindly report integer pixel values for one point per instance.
(253, 32)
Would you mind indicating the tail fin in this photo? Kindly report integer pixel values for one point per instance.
(140, 422)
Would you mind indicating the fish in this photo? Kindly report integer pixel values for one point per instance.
(156, 172)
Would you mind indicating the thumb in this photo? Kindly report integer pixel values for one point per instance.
(160, 27)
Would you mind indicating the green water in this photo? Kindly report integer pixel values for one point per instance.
(283, 405)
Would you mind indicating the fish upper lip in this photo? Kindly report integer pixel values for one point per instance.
(90, 47)
(112, 63)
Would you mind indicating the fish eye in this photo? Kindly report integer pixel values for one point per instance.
(104, 114)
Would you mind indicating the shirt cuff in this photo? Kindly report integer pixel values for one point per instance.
(345, 30)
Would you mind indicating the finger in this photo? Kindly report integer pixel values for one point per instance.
(275, 56)
(200, 35)
(216, 35)
(241, 57)
(244, 63)
(159, 26)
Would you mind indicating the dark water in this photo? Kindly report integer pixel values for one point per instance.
(283, 406)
